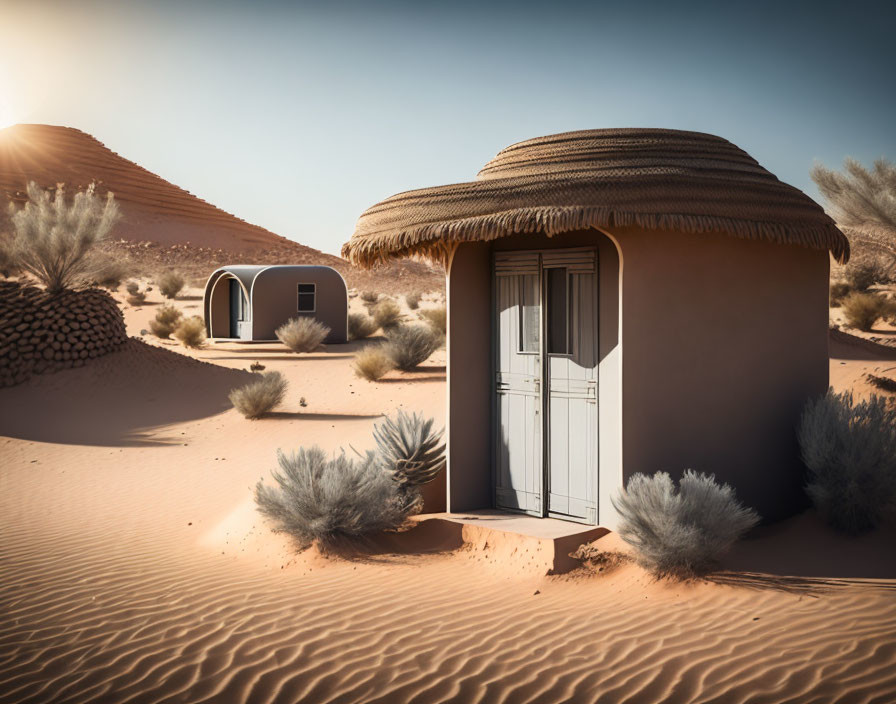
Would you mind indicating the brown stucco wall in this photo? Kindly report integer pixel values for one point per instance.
(724, 340)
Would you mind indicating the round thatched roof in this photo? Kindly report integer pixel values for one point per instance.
(652, 178)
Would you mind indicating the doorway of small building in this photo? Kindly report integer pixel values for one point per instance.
(545, 420)
(239, 311)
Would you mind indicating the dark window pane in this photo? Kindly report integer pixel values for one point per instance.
(306, 288)
(306, 302)
(557, 305)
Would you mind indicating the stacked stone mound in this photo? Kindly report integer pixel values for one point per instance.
(42, 333)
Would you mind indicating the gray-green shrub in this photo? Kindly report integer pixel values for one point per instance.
(171, 283)
(52, 238)
(413, 300)
(330, 499)
(135, 296)
(261, 396)
(165, 322)
(360, 326)
(409, 449)
(838, 291)
(191, 331)
(302, 334)
(680, 534)
(436, 317)
(849, 449)
(369, 296)
(387, 314)
(411, 345)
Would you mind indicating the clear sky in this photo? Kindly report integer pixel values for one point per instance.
(298, 116)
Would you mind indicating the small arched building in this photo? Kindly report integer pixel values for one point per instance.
(621, 301)
(249, 302)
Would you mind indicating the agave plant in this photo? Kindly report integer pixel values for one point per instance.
(409, 450)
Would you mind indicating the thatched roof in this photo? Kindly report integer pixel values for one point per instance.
(652, 178)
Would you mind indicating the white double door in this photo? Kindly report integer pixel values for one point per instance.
(546, 356)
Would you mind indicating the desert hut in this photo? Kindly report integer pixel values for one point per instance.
(620, 301)
(249, 302)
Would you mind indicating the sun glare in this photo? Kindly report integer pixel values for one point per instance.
(7, 117)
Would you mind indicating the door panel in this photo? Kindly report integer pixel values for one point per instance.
(519, 476)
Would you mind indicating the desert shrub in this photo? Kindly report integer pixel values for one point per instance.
(135, 296)
(107, 272)
(373, 363)
(387, 314)
(360, 326)
(413, 300)
(409, 449)
(166, 320)
(862, 275)
(437, 317)
(849, 450)
(261, 396)
(302, 334)
(839, 291)
(328, 499)
(191, 331)
(863, 310)
(411, 345)
(256, 367)
(171, 283)
(52, 238)
(369, 296)
(680, 534)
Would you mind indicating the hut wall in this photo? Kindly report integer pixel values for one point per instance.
(275, 300)
(724, 341)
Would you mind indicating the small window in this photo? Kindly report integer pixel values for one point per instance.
(307, 298)
(557, 305)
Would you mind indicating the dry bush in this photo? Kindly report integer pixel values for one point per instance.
(409, 449)
(106, 271)
(680, 534)
(411, 345)
(387, 314)
(302, 334)
(331, 499)
(135, 296)
(256, 367)
(437, 317)
(360, 326)
(849, 449)
(166, 321)
(862, 275)
(171, 283)
(863, 310)
(839, 291)
(373, 363)
(259, 397)
(413, 300)
(52, 238)
(369, 296)
(191, 331)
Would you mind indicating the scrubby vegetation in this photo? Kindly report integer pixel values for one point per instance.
(256, 367)
(370, 296)
(302, 334)
(332, 499)
(107, 272)
(191, 331)
(360, 326)
(413, 300)
(863, 310)
(864, 274)
(52, 239)
(373, 363)
(437, 318)
(680, 534)
(171, 283)
(411, 345)
(849, 449)
(135, 296)
(259, 397)
(387, 314)
(839, 291)
(165, 322)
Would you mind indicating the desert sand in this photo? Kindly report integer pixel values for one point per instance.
(133, 566)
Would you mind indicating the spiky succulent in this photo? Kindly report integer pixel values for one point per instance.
(409, 449)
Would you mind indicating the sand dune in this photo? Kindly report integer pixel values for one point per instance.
(138, 570)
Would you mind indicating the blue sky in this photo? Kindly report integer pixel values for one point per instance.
(298, 116)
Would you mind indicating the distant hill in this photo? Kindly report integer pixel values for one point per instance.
(179, 225)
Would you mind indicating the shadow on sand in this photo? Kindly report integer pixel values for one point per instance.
(422, 538)
(122, 399)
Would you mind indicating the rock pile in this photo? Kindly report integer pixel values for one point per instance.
(41, 333)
